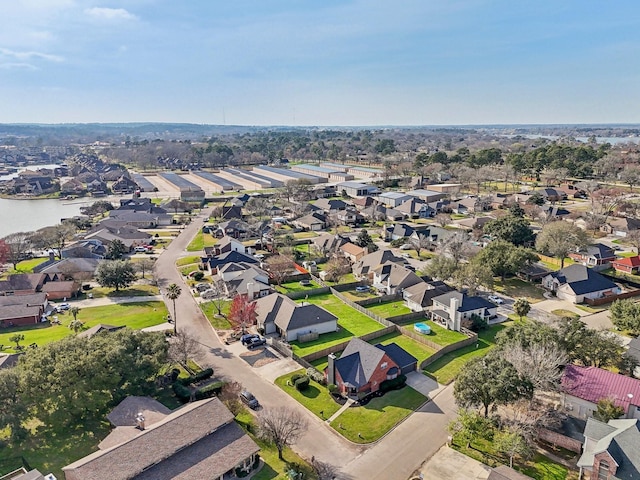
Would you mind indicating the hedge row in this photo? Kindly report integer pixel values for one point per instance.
(184, 393)
(198, 377)
(393, 384)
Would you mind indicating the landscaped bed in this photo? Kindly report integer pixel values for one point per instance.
(316, 398)
(210, 311)
(389, 309)
(446, 368)
(132, 315)
(367, 423)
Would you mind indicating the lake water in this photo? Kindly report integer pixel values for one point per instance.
(29, 215)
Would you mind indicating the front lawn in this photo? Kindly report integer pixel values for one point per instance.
(132, 315)
(389, 309)
(181, 262)
(316, 398)
(133, 291)
(26, 266)
(446, 368)
(366, 424)
(200, 241)
(210, 311)
(440, 335)
(417, 349)
(561, 312)
(517, 288)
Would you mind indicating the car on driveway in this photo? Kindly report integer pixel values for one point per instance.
(495, 299)
(201, 287)
(248, 399)
(406, 246)
(256, 342)
(64, 306)
(208, 294)
(247, 337)
(362, 288)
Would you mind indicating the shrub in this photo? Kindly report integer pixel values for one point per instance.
(209, 390)
(181, 391)
(398, 242)
(198, 377)
(295, 377)
(315, 375)
(477, 323)
(332, 387)
(302, 383)
(394, 384)
(197, 276)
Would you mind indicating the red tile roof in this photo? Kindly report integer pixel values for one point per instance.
(629, 262)
(593, 384)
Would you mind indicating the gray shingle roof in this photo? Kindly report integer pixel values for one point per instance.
(358, 362)
(289, 315)
(582, 279)
(465, 302)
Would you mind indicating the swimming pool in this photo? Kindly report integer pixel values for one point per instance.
(422, 328)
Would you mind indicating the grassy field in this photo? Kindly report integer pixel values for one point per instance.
(561, 312)
(351, 322)
(181, 262)
(446, 368)
(389, 309)
(210, 311)
(368, 423)
(133, 291)
(417, 349)
(316, 398)
(132, 315)
(296, 287)
(517, 288)
(26, 266)
(441, 335)
(200, 241)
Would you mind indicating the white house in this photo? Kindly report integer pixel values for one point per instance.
(577, 282)
(452, 309)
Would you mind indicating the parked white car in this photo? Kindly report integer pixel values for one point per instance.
(495, 299)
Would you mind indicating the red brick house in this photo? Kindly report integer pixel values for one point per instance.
(362, 367)
(16, 310)
(629, 265)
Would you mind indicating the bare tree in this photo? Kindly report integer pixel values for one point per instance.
(419, 242)
(144, 265)
(456, 245)
(539, 362)
(443, 219)
(229, 395)
(18, 244)
(527, 416)
(182, 347)
(633, 237)
(281, 426)
(279, 267)
(336, 268)
(324, 471)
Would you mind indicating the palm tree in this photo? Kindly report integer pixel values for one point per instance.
(74, 311)
(173, 292)
(76, 325)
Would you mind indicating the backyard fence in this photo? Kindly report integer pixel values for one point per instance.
(361, 309)
(338, 347)
(407, 317)
(447, 349)
(365, 302)
(308, 293)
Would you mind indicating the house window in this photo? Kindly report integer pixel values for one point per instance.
(603, 470)
(383, 365)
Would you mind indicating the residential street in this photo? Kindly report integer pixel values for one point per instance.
(393, 457)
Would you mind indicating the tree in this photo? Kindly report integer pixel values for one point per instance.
(607, 410)
(364, 240)
(540, 363)
(442, 268)
(511, 228)
(116, 250)
(456, 245)
(468, 425)
(145, 265)
(16, 338)
(173, 292)
(242, 312)
(625, 315)
(97, 208)
(55, 237)
(182, 347)
(12, 406)
(473, 276)
(279, 267)
(419, 242)
(74, 311)
(336, 268)
(560, 238)
(633, 237)
(17, 246)
(76, 325)
(503, 258)
(587, 346)
(521, 307)
(511, 443)
(115, 274)
(324, 470)
(4, 252)
(229, 395)
(489, 381)
(443, 219)
(281, 426)
(628, 364)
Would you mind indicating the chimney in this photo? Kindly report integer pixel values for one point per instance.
(454, 315)
(331, 369)
(52, 256)
(250, 290)
(140, 421)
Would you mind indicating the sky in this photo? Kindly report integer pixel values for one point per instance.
(322, 62)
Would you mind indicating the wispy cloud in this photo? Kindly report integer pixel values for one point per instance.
(109, 14)
(29, 55)
(17, 66)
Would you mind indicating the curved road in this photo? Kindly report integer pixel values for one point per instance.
(394, 457)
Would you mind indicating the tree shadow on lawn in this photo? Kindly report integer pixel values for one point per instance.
(399, 398)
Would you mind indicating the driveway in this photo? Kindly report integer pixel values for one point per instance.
(393, 458)
(423, 384)
(448, 463)
(600, 320)
(556, 304)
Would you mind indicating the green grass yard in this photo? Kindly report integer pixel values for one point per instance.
(132, 315)
(517, 288)
(296, 287)
(181, 262)
(417, 349)
(446, 368)
(209, 309)
(389, 309)
(27, 266)
(368, 423)
(133, 291)
(316, 398)
(200, 241)
(440, 335)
